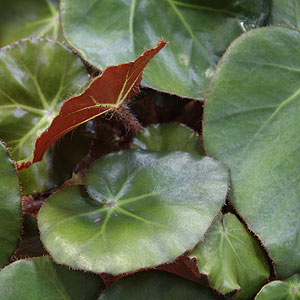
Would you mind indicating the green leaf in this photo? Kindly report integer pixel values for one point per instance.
(232, 258)
(144, 208)
(109, 32)
(23, 18)
(286, 12)
(10, 207)
(36, 75)
(251, 122)
(157, 285)
(40, 278)
(288, 289)
(169, 137)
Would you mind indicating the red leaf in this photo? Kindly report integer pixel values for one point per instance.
(106, 92)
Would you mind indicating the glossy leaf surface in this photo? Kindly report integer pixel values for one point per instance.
(288, 289)
(35, 76)
(169, 137)
(232, 258)
(251, 122)
(143, 208)
(24, 18)
(106, 92)
(10, 203)
(157, 285)
(40, 278)
(286, 12)
(108, 32)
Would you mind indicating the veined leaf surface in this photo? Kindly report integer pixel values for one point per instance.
(142, 209)
(251, 123)
(36, 75)
(108, 32)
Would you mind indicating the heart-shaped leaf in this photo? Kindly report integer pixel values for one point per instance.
(157, 285)
(40, 278)
(147, 208)
(105, 93)
(251, 122)
(288, 289)
(10, 203)
(36, 74)
(286, 12)
(169, 137)
(232, 259)
(198, 32)
(23, 18)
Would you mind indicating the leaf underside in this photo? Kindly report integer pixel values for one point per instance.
(106, 92)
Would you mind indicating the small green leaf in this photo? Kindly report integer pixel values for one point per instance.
(109, 32)
(169, 137)
(23, 18)
(232, 259)
(286, 12)
(157, 285)
(10, 204)
(251, 123)
(36, 75)
(288, 289)
(144, 208)
(40, 278)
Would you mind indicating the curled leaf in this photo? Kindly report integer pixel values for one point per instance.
(106, 92)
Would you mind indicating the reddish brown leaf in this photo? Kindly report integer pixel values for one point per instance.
(106, 92)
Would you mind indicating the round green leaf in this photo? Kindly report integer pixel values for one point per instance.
(232, 258)
(23, 18)
(286, 12)
(157, 285)
(169, 137)
(251, 122)
(288, 289)
(36, 75)
(40, 278)
(10, 207)
(147, 208)
(110, 32)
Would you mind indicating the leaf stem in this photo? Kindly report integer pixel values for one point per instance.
(128, 118)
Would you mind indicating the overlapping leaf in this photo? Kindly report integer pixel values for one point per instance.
(157, 285)
(232, 259)
(147, 208)
(198, 31)
(251, 122)
(24, 18)
(106, 92)
(286, 12)
(40, 278)
(288, 289)
(169, 137)
(36, 74)
(10, 204)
